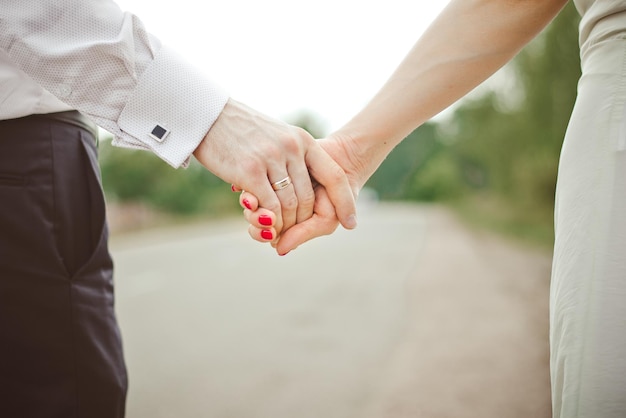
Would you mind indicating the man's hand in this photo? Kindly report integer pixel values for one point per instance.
(253, 151)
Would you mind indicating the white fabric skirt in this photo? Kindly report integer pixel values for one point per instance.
(588, 288)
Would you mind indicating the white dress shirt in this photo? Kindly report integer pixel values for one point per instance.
(89, 55)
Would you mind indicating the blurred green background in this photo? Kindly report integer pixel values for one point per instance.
(493, 158)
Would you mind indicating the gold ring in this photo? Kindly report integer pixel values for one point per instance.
(279, 185)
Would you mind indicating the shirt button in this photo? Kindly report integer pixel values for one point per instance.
(64, 90)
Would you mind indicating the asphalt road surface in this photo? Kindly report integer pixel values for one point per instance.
(411, 315)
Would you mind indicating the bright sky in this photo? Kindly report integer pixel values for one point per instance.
(283, 56)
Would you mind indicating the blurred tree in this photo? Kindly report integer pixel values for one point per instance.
(519, 147)
(506, 143)
(398, 176)
(310, 122)
(138, 176)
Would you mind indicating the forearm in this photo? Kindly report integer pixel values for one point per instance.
(468, 42)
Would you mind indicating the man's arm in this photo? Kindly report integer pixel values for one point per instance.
(104, 63)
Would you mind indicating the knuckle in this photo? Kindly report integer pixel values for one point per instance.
(291, 144)
(304, 136)
(336, 173)
(307, 198)
(274, 207)
(330, 227)
(296, 139)
(290, 203)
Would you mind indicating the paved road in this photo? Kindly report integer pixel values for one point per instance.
(410, 315)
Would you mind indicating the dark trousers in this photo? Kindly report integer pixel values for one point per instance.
(60, 346)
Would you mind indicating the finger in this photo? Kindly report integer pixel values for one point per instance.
(328, 173)
(303, 188)
(267, 198)
(266, 234)
(287, 198)
(261, 218)
(323, 222)
(258, 218)
(248, 201)
(297, 235)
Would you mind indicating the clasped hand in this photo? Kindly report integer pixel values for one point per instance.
(253, 152)
(322, 220)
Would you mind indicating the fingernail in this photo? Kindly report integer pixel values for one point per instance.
(267, 234)
(232, 187)
(282, 255)
(265, 220)
(351, 222)
(247, 204)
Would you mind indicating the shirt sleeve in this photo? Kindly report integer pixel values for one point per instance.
(103, 62)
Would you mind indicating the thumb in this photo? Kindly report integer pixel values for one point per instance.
(298, 234)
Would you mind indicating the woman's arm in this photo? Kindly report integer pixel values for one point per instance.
(468, 42)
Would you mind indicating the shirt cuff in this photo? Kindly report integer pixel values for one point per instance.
(171, 109)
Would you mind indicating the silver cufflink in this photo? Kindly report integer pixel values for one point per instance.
(159, 133)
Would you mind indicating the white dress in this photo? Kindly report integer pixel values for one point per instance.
(588, 289)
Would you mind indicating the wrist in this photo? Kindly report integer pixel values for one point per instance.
(349, 150)
(365, 150)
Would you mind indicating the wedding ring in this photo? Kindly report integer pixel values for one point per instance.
(279, 185)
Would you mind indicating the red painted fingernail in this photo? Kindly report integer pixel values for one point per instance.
(282, 255)
(232, 187)
(267, 234)
(247, 204)
(265, 220)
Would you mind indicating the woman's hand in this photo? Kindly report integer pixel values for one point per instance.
(324, 220)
